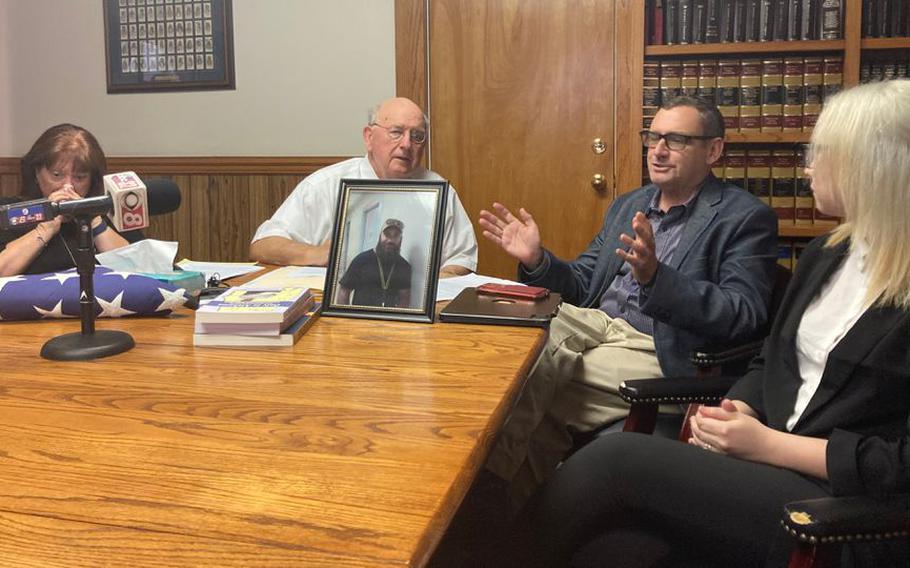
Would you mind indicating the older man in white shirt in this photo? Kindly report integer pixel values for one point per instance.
(299, 232)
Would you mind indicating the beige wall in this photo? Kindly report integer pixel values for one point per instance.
(306, 72)
(6, 134)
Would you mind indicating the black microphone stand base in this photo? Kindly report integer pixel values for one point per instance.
(83, 347)
(89, 343)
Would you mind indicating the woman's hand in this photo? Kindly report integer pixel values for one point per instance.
(66, 193)
(50, 228)
(732, 429)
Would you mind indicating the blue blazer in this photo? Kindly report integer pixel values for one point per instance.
(714, 291)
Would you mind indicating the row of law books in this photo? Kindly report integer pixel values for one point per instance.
(886, 18)
(777, 177)
(884, 66)
(789, 251)
(255, 315)
(725, 21)
(771, 94)
(774, 175)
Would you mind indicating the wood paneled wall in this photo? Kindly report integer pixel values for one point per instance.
(9, 177)
(224, 200)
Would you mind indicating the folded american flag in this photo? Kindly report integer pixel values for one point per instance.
(56, 295)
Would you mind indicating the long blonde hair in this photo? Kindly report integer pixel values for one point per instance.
(862, 140)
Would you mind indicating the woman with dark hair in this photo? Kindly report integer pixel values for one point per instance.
(66, 162)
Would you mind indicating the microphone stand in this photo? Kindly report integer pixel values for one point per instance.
(89, 343)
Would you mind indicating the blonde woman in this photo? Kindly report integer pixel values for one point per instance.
(823, 411)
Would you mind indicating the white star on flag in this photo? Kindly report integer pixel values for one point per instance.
(8, 279)
(57, 312)
(62, 277)
(172, 300)
(123, 275)
(112, 309)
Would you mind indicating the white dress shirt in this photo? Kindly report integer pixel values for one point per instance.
(826, 321)
(308, 214)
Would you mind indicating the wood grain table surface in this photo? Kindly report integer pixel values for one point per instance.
(352, 448)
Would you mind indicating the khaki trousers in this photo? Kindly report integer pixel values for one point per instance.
(575, 383)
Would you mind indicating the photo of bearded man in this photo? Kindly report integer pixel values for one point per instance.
(379, 276)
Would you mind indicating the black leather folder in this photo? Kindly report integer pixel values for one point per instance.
(471, 307)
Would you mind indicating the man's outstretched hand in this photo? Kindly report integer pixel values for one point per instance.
(518, 236)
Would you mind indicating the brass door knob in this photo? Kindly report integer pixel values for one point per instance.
(598, 182)
(598, 146)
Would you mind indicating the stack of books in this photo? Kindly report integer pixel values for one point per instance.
(770, 94)
(776, 176)
(255, 316)
(789, 251)
(884, 66)
(886, 18)
(724, 21)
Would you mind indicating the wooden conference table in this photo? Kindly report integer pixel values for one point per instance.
(353, 448)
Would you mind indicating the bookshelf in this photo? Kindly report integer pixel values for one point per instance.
(745, 48)
(797, 232)
(767, 137)
(885, 43)
(634, 52)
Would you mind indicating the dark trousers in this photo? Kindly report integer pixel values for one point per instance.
(636, 500)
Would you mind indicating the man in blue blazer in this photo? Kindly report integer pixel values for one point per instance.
(680, 264)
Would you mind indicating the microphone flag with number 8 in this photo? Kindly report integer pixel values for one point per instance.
(130, 201)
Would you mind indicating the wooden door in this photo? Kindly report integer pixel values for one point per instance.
(518, 91)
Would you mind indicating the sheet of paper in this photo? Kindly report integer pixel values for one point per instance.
(314, 277)
(223, 270)
(448, 288)
(303, 276)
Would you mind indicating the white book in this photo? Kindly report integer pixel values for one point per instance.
(268, 328)
(285, 339)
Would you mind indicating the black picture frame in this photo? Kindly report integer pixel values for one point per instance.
(168, 45)
(366, 210)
